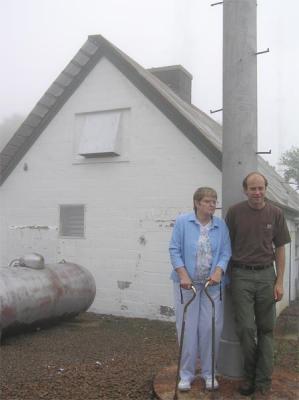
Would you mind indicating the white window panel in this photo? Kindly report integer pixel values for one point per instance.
(100, 134)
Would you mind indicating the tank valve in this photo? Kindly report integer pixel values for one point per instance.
(32, 260)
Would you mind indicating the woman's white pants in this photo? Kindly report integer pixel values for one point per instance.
(198, 329)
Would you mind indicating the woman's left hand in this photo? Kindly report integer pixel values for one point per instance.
(215, 278)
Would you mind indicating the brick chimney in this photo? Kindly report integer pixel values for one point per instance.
(177, 78)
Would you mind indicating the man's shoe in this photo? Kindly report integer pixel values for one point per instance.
(209, 385)
(246, 389)
(184, 385)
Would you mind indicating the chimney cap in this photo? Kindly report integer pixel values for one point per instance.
(171, 68)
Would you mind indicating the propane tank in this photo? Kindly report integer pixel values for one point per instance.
(34, 293)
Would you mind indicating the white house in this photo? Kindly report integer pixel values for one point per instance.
(100, 168)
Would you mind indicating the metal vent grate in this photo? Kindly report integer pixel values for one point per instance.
(71, 220)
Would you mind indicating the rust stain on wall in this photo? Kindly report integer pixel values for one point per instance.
(165, 223)
(142, 240)
(167, 311)
(123, 284)
(45, 227)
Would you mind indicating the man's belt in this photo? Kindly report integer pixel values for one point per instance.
(252, 267)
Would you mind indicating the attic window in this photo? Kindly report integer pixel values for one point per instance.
(99, 134)
(71, 222)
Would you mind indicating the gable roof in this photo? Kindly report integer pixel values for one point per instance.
(204, 132)
(199, 128)
(278, 191)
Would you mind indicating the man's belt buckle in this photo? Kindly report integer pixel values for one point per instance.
(254, 267)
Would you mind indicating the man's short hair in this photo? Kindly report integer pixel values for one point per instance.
(253, 173)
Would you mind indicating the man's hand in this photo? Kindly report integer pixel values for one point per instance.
(278, 291)
(280, 266)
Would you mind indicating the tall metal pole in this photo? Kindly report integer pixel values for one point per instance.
(239, 137)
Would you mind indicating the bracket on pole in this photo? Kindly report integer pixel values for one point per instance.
(262, 52)
(214, 111)
(264, 152)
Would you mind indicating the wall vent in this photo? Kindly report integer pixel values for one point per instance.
(71, 222)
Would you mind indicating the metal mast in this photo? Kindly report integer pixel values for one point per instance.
(239, 136)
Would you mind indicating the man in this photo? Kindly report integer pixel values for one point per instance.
(258, 233)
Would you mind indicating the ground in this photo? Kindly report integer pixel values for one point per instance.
(105, 357)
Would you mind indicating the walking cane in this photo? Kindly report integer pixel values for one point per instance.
(213, 332)
(181, 342)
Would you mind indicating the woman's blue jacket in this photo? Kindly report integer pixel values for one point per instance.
(184, 242)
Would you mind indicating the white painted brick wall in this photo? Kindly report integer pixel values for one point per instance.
(130, 205)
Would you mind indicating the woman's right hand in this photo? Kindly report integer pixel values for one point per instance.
(185, 280)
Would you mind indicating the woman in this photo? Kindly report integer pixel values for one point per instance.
(199, 251)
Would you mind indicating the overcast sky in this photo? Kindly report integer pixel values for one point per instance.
(39, 37)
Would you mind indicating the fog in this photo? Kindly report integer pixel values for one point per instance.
(39, 37)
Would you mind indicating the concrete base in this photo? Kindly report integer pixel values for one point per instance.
(164, 385)
(230, 350)
(284, 386)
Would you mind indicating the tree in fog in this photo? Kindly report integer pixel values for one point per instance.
(290, 161)
(8, 126)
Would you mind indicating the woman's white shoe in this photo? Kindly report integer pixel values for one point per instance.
(209, 385)
(184, 385)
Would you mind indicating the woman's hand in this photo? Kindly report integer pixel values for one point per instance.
(185, 280)
(215, 278)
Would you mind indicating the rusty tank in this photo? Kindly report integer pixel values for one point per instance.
(33, 293)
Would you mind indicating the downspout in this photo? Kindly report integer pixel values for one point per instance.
(290, 274)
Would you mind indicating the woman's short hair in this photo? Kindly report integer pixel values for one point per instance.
(202, 192)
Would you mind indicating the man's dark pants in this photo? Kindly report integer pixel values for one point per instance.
(254, 307)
